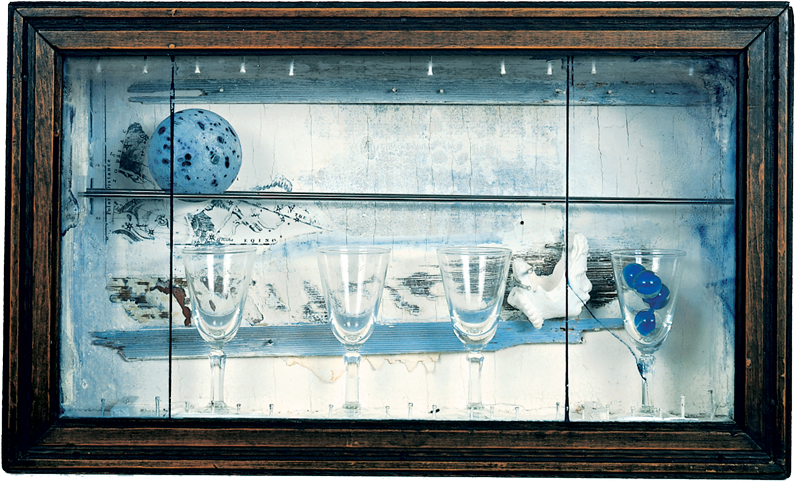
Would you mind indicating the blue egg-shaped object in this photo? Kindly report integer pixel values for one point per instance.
(647, 284)
(207, 153)
(645, 322)
(630, 272)
(660, 300)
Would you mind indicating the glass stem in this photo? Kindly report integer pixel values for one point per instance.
(474, 394)
(645, 364)
(352, 360)
(217, 359)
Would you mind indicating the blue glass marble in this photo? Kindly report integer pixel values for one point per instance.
(647, 284)
(630, 272)
(207, 153)
(645, 322)
(660, 300)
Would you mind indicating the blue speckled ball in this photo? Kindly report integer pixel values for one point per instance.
(207, 155)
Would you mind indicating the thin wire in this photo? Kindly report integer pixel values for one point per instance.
(171, 226)
(566, 244)
(600, 322)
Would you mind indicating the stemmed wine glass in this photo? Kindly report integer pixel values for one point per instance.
(218, 278)
(647, 287)
(474, 284)
(353, 279)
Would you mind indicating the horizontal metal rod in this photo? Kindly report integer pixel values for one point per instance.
(379, 197)
(647, 200)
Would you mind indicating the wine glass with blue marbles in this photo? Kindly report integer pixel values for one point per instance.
(647, 288)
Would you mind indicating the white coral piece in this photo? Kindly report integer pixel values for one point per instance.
(544, 297)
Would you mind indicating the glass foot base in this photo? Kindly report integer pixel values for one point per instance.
(648, 412)
(643, 414)
(351, 410)
(220, 408)
(478, 412)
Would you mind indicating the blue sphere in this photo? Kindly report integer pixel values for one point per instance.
(647, 284)
(207, 153)
(645, 322)
(630, 272)
(660, 300)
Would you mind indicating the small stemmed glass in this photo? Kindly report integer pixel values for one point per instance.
(218, 278)
(647, 287)
(474, 284)
(353, 280)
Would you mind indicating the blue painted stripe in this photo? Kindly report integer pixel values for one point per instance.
(317, 340)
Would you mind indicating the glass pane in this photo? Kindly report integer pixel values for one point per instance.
(286, 362)
(652, 166)
(115, 249)
(454, 125)
(410, 152)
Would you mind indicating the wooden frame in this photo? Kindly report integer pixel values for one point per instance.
(36, 439)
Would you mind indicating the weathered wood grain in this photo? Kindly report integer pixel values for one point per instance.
(766, 336)
(44, 233)
(768, 10)
(754, 241)
(209, 40)
(442, 464)
(435, 92)
(418, 435)
(14, 386)
(414, 447)
(783, 331)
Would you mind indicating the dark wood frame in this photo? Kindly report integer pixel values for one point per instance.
(36, 439)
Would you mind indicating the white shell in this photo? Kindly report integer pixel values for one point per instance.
(545, 297)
